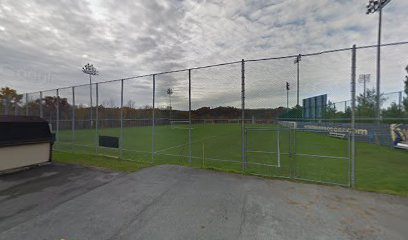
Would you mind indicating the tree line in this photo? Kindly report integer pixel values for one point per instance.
(365, 110)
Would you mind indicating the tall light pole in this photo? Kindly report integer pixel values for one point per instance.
(297, 61)
(170, 92)
(90, 70)
(364, 79)
(372, 7)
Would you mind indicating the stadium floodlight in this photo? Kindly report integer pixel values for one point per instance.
(170, 92)
(375, 5)
(90, 70)
(372, 7)
(297, 61)
(364, 79)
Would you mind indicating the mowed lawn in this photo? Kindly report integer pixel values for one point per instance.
(304, 155)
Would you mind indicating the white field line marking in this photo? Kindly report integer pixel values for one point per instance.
(181, 145)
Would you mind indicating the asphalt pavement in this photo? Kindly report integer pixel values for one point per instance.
(172, 202)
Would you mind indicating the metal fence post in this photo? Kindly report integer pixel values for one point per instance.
(121, 119)
(353, 107)
(349, 159)
(26, 108)
(290, 154)
(189, 117)
(246, 145)
(400, 100)
(153, 119)
(58, 117)
(41, 105)
(96, 117)
(6, 105)
(294, 152)
(243, 114)
(90, 96)
(16, 109)
(73, 119)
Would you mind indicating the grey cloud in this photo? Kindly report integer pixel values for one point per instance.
(127, 38)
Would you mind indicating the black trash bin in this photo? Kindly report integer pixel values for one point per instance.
(24, 141)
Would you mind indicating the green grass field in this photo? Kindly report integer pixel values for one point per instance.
(218, 146)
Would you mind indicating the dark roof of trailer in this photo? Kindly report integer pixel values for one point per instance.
(18, 130)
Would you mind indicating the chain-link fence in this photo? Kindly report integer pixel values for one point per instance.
(300, 116)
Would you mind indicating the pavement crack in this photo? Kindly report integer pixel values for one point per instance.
(243, 214)
(118, 232)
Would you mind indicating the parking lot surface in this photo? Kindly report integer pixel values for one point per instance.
(173, 202)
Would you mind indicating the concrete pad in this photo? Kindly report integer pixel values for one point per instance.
(174, 202)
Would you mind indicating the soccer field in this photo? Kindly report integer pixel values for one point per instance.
(302, 155)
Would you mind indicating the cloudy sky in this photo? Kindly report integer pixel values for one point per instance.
(44, 43)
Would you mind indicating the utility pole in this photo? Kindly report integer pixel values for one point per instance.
(372, 7)
(297, 62)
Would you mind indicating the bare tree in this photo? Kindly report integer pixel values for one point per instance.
(131, 104)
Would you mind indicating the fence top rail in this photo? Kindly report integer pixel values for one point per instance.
(383, 45)
(227, 63)
(387, 93)
(303, 55)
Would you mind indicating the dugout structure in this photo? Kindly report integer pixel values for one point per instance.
(24, 141)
